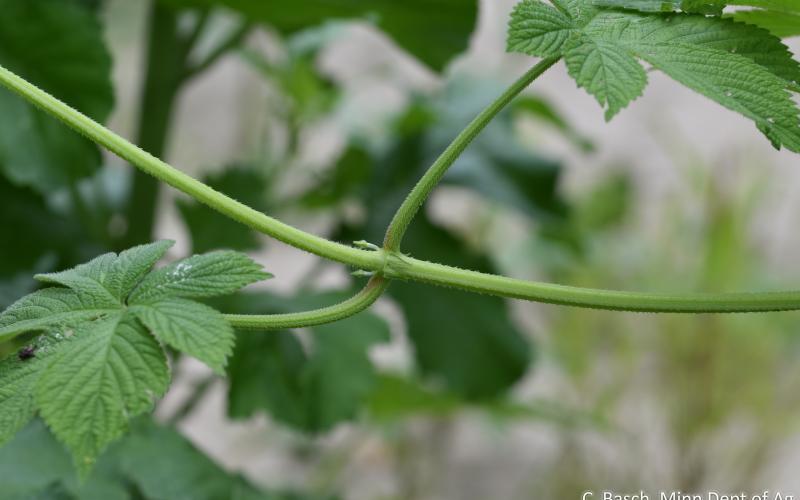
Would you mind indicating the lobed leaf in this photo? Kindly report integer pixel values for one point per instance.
(110, 372)
(607, 71)
(207, 275)
(53, 308)
(780, 17)
(539, 30)
(99, 361)
(742, 67)
(190, 327)
(110, 276)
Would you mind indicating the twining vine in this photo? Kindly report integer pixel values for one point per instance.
(743, 67)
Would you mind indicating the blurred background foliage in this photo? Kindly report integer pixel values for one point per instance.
(620, 401)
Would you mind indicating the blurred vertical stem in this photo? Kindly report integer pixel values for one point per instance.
(166, 54)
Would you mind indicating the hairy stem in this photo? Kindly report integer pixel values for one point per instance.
(389, 263)
(350, 307)
(410, 269)
(405, 214)
(187, 184)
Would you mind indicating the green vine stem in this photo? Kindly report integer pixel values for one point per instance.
(390, 263)
(187, 184)
(436, 274)
(413, 202)
(350, 307)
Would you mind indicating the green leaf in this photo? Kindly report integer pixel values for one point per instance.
(53, 308)
(207, 275)
(152, 463)
(540, 109)
(497, 164)
(397, 398)
(36, 150)
(96, 365)
(165, 465)
(110, 372)
(435, 37)
(23, 213)
(742, 67)
(608, 72)
(190, 327)
(466, 341)
(780, 17)
(111, 277)
(691, 6)
(311, 391)
(35, 465)
(782, 24)
(19, 377)
(539, 30)
(210, 229)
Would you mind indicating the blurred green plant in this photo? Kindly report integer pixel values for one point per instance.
(476, 355)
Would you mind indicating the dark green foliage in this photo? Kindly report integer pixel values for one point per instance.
(312, 390)
(35, 149)
(152, 463)
(432, 30)
(466, 341)
(211, 230)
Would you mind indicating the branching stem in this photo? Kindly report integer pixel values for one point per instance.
(405, 214)
(388, 262)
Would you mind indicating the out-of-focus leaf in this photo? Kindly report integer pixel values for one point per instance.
(164, 466)
(38, 230)
(345, 179)
(464, 340)
(432, 30)
(35, 465)
(311, 391)
(606, 205)
(496, 164)
(398, 397)
(211, 230)
(542, 110)
(57, 45)
(309, 93)
(152, 463)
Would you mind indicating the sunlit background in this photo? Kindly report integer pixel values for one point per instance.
(675, 194)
